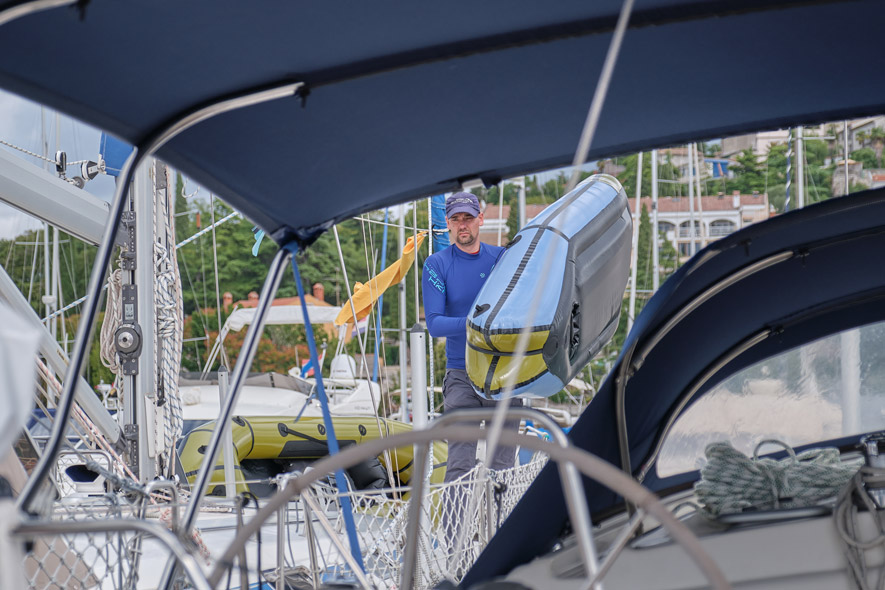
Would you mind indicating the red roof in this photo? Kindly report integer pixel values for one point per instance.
(491, 211)
(708, 203)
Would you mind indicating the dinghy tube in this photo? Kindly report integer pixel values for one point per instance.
(265, 446)
(585, 239)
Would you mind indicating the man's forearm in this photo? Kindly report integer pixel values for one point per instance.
(441, 326)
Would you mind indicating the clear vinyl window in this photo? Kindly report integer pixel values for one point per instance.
(826, 389)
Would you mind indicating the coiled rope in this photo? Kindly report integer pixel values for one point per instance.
(111, 321)
(733, 482)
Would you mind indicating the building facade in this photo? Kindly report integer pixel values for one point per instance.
(714, 217)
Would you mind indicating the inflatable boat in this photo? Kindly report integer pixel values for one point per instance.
(266, 446)
(579, 247)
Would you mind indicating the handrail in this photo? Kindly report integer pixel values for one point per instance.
(586, 463)
(29, 529)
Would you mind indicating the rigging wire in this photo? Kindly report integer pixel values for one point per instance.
(375, 313)
(33, 266)
(198, 310)
(375, 403)
(396, 225)
(587, 134)
(203, 276)
(217, 288)
(359, 340)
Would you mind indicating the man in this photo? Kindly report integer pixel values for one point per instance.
(451, 281)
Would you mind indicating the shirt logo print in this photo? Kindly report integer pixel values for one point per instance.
(482, 275)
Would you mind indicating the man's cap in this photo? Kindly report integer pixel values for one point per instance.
(462, 203)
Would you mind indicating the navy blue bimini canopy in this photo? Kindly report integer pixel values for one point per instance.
(403, 100)
(765, 289)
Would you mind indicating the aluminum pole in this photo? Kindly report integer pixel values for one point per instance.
(691, 219)
(845, 148)
(244, 362)
(800, 168)
(850, 361)
(637, 217)
(419, 376)
(145, 382)
(227, 440)
(697, 180)
(403, 355)
(520, 183)
(656, 275)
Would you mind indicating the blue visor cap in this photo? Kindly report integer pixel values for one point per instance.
(462, 203)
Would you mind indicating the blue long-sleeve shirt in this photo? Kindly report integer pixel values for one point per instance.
(451, 281)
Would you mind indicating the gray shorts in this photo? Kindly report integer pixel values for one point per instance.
(458, 394)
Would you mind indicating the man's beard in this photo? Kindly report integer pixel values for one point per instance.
(465, 239)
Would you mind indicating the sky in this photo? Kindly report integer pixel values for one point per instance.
(21, 124)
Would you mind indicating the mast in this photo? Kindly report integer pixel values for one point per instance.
(789, 173)
(47, 293)
(655, 275)
(697, 180)
(849, 346)
(637, 217)
(500, 210)
(691, 219)
(141, 281)
(403, 351)
(54, 269)
(520, 182)
(800, 169)
(378, 329)
(845, 148)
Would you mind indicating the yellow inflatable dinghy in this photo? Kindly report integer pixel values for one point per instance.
(265, 446)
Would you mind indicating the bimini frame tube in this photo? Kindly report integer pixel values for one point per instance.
(244, 363)
(24, 9)
(144, 150)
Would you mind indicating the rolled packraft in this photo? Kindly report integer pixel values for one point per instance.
(583, 240)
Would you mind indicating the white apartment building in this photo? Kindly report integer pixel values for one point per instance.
(714, 217)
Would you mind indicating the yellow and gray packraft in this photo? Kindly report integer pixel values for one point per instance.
(584, 241)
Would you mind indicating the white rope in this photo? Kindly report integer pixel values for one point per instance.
(733, 482)
(111, 322)
(89, 428)
(169, 324)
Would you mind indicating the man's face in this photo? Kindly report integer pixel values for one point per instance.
(465, 230)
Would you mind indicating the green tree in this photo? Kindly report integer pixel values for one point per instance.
(866, 156)
(666, 171)
(749, 175)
